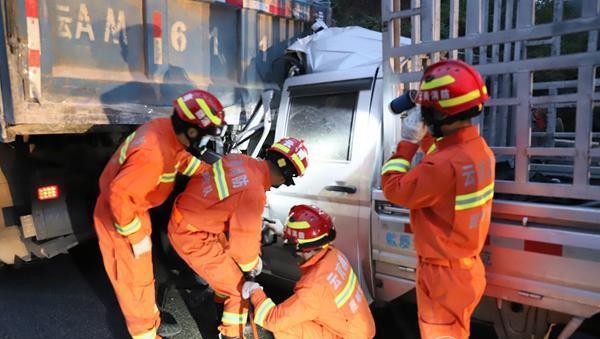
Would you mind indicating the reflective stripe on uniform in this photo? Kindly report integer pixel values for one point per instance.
(262, 311)
(432, 148)
(168, 177)
(146, 335)
(249, 266)
(439, 82)
(304, 241)
(220, 295)
(123, 154)
(185, 109)
(130, 228)
(230, 318)
(347, 291)
(220, 180)
(396, 165)
(475, 199)
(213, 118)
(192, 167)
(298, 225)
(460, 99)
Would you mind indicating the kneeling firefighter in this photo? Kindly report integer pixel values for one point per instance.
(328, 301)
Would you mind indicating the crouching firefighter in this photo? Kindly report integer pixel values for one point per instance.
(216, 222)
(138, 177)
(449, 194)
(328, 301)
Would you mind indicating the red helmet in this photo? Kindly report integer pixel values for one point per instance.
(200, 108)
(296, 154)
(451, 87)
(308, 228)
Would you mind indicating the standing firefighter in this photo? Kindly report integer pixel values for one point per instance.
(140, 176)
(328, 301)
(449, 194)
(216, 222)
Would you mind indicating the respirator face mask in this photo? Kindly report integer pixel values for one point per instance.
(202, 148)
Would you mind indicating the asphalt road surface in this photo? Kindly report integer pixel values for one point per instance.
(70, 296)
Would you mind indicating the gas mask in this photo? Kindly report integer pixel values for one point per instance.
(203, 149)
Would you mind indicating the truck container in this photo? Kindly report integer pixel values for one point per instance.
(77, 75)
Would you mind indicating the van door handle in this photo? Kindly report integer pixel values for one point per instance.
(350, 189)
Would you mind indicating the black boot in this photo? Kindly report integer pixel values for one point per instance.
(168, 325)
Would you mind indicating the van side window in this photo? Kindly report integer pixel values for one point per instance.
(324, 122)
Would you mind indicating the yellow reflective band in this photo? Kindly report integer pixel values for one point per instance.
(280, 147)
(220, 180)
(299, 163)
(229, 318)
(298, 225)
(263, 311)
(215, 119)
(220, 295)
(249, 266)
(130, 228)
(460, 100)
(439, 82)
(304, 241)
(474, 199)
(347, 291)
(484, 89)
(123, 155)
(147, 335)
(432, 148)
(167, 177)
(396, 165)
(185, 109)
(192, 167)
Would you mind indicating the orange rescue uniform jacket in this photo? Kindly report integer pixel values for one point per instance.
(327, 293)
(449, 193)
(230, 198)
(141, 175)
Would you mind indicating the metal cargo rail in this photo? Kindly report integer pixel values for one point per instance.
(543, 119)
(540, 61)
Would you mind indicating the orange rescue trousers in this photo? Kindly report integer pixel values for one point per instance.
(132, 278)
(206, 253)
(447, 294)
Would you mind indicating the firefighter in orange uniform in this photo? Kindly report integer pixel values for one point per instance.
(328, 301)
(449, 194)
(140, 176)
(217, 221)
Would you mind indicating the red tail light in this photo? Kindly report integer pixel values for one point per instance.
(48, 192)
